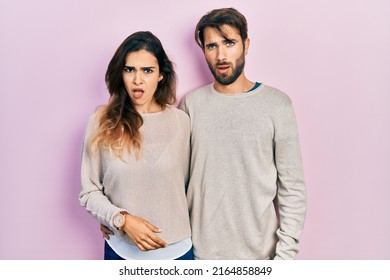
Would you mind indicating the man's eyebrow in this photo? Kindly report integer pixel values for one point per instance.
(230, 40)
(211, 44)
(223, 41)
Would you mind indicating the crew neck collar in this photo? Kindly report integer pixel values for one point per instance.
(258, 86)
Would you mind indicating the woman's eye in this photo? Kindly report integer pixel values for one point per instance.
(128, 69)
(148, 71)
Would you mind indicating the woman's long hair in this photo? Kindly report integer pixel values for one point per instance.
(118, 121)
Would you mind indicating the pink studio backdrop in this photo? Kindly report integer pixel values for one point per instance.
(331, 57)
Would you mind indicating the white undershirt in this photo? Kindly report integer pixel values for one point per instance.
(131, 252)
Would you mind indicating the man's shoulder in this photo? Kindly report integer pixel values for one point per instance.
(202, 90)
(195, 97)
(275, 94)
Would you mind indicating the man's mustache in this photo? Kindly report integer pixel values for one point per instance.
(223, 64)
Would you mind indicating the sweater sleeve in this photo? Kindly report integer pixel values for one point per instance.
(92, 196)
(183, 105)
(291, 195)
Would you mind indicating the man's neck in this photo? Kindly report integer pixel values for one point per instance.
(241, 85)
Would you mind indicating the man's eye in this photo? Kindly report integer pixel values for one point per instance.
(229, 43)
(210, 47)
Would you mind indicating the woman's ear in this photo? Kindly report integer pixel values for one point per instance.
(161, 77)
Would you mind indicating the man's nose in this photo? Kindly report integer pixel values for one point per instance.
(221, 53)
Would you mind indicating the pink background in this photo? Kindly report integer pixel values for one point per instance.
(331, 57)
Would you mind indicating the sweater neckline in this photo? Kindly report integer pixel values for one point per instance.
(238, 94)
(155, 113)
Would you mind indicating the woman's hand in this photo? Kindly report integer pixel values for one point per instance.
(142, 233)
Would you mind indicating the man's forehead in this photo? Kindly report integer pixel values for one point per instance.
(226, 31)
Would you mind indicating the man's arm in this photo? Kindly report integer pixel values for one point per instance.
(291, 184)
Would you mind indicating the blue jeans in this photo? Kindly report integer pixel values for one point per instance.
(110, 254)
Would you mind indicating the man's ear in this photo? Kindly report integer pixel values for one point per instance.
(246, 45)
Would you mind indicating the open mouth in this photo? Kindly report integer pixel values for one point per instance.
(223, 68)
(137, 93)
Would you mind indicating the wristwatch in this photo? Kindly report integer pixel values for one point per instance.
(119, 220)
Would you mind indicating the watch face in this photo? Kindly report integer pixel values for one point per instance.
(118, 220)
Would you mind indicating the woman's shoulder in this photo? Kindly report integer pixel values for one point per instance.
(93, 122)
(182, 117)
(93, 118)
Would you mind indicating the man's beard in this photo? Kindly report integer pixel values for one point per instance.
(226, 79)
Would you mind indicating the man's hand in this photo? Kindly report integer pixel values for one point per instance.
(106, 231)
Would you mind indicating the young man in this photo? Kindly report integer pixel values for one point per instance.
(246, 195)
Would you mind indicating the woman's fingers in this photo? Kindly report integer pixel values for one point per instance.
(148, 244)
(142, 233)
(157, 240)
(152, 227)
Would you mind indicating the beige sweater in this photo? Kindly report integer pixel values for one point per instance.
(152, 187)
(245, 152)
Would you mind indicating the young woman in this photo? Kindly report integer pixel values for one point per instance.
(135, 160)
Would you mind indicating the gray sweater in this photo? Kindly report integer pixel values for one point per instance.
(152, 187)
(245, 153)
